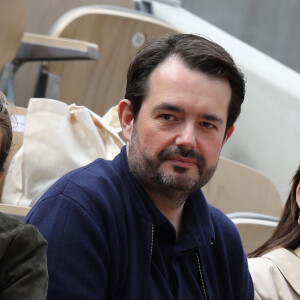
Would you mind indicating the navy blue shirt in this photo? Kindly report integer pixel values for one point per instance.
(107, 240)
(175, 270)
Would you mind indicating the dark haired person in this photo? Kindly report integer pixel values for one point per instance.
(275, 266)
(23, 265)
(138, 227)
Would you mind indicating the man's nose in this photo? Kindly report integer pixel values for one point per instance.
(186, 137)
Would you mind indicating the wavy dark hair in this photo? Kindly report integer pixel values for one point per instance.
(5, 133)
(198, 53)
(287, 232)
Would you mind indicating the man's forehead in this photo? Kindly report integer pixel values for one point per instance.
(174, 65)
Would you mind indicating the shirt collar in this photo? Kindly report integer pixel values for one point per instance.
(288, 264)
(197, 223)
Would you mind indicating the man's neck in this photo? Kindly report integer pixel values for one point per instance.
(172, 209)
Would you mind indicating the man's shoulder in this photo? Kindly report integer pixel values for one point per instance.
(218, 216)
(98, 168)
(100, 183)
(223, 225)
(86, 179)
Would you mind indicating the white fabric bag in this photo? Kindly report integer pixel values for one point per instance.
(57, 139)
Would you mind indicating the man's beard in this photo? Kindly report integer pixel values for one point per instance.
(173, 185)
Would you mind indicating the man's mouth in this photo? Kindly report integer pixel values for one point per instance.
(181, 158)
(183, 162)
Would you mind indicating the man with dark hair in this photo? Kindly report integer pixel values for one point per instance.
(138, 227)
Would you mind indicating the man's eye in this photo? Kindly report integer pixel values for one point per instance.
(167, 117)
(208, 125)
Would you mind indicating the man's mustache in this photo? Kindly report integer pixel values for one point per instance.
(179, 151)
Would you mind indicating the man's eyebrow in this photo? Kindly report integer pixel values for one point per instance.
(167, 106)
(174, 108)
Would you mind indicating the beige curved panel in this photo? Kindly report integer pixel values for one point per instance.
(254, 232)
(12, 27)
(43, 14)
(14, 210)
(101, 84)
(238, 188)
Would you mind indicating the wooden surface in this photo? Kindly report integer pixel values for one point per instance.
(51, 41)
(12, 27)
(41, 15)
(101, 84)
(238, 188)
(14, 210)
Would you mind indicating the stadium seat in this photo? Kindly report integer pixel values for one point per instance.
(239, 188)
(254, 229)
(119, 33)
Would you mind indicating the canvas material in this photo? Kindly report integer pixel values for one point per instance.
(57, 139)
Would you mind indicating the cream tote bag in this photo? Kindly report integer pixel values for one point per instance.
(57, 139)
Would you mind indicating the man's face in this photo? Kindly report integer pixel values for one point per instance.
(174, 144)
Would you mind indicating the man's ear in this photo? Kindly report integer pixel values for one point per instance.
(228, 134)
(298, 195)
(126, 118)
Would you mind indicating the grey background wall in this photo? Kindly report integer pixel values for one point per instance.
(272, 26)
